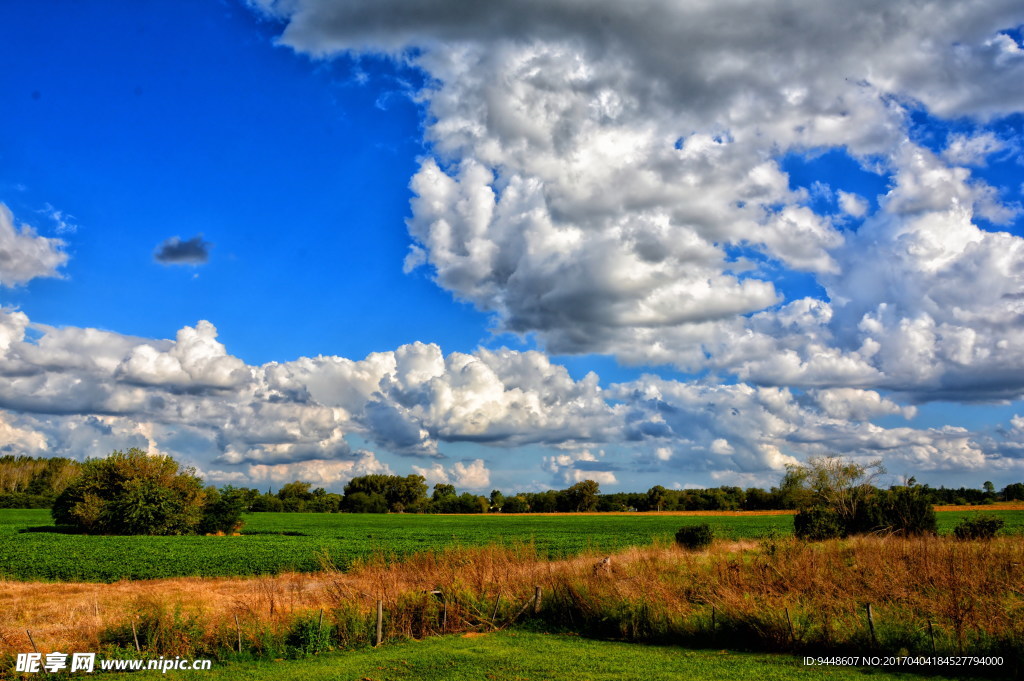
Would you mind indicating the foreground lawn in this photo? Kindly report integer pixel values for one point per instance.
(519, 656)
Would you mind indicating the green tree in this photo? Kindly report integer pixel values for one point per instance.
(133, 493)
(582, 496)
(443, 489)
(656, 497)
(1014, 491)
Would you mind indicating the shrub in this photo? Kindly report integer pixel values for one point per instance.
(223, 511)
(132, 493)
(980, 527)
(695, 537)
(818, 523)
(904, 510)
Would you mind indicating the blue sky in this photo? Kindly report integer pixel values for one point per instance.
(758, 264)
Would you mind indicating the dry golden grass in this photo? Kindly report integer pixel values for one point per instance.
(967, 591)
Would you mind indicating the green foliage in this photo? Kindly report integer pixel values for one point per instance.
(905, 510)
(1014, 492)
(361, 502)
(979, 527)
(695, 537)
(132, 493)
(841, 500)
(516, 504)
(222, 511)
(818, 523)
(309, 633)
(580, 497)
(400, 494)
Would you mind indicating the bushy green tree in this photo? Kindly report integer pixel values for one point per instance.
(133, 493)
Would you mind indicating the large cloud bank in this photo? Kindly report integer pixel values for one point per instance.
(601, 174)
(75, 392)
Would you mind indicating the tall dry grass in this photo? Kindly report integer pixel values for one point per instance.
(927, 594)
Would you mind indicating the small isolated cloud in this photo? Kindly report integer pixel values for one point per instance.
(24, 255)
(852, 204)
(174, 251)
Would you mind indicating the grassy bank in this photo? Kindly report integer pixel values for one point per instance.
(932, 595)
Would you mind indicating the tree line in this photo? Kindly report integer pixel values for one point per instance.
(31, 482)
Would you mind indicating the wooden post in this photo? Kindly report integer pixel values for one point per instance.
(238, 631)
(319, 630)
(32, 641)
(714, 622)
(536, 600)
(444, 615)
(871, 626)
(789, 621)
(135, 635)
(380, 621)
(494, 613)
(931, 634)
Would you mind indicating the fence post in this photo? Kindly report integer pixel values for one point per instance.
(494, 613)
(32, 641)
(135, 635)
(536, 600)
(380, 621)
(789, 621)
(871, 626)
(931, 634)
(238, 631)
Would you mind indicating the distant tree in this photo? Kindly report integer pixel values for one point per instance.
(497, 500)
(582, 496)
(1013, 492)
(223, 510)
(516, 504)
(361, 502)
(295, 490)
(133, 493)
(400, 494)
(442, 490)
(656, 497)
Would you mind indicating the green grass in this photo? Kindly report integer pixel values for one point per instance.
(341, 538)
(521, 656)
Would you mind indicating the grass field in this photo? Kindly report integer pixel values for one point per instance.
(522, 656)
(279, 542)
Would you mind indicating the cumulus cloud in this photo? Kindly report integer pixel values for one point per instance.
(852, 204)
(468, 475)
(972, 150)
(577, 465)
(24, 255)
(595, 169)
(175, 251)
(75, 392)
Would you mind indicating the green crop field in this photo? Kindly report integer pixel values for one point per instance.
(278, 542)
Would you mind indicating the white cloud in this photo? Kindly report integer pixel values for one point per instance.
(972, 150)
(24, 255)
(595, 169)
(472, 475)
(852, 204)
(67, 394)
